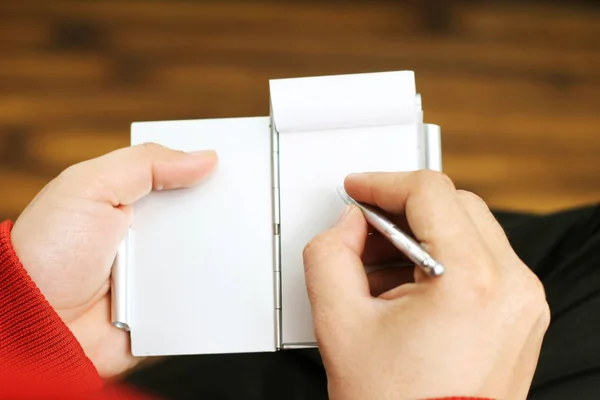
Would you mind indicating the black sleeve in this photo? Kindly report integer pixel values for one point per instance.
(563, 249)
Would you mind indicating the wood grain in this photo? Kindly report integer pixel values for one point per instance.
(515, 85)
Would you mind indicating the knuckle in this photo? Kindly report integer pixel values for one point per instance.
(68, 172)
(540, 308)
(534, 287)
(483, 288)
(72, 173)
(470, 199)
(484, 285)
(546, 316)
(313, 251)
(533, 296)
(479, 290)
(538, 293)
(149, 147)
(427, 178)
(322, 250)
(309, 249)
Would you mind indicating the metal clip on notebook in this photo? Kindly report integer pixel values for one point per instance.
(218, 268)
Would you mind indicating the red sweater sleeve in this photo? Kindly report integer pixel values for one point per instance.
(39, 356)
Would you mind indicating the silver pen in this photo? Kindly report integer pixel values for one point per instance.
(399, 239)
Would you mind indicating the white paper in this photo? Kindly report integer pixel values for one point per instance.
(202, 271)
(312, 166)
(328, 128)
(343, 101)
(202, 276)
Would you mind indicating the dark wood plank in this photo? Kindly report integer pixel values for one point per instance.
(514, 84)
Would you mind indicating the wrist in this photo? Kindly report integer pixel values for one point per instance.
(358, 388)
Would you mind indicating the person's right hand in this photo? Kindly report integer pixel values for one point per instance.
(475, 331)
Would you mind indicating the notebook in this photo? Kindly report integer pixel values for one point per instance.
(217, 268)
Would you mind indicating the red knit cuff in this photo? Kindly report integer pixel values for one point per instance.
(461, 398)
(35, 344)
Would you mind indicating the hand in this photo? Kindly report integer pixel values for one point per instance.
(68, 237)
(474, 331)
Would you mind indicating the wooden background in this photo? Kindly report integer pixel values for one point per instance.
(515, 85)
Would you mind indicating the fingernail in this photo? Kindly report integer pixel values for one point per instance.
(353, 176)
(204, 153)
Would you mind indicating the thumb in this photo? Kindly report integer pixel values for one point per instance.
(124, 176)
(334, 272)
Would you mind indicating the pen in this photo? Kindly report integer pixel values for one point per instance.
(399, 239)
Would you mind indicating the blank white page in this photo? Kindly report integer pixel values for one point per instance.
(313, 163)
(343, 101)
(202, 276)
(312, 166)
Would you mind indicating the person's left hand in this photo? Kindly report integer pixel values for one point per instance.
(68, 237)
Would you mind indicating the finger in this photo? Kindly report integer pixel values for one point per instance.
(124, 176)
(433, 211)
(379, 250)
(489, 229)
(334, 272)
(387, 279)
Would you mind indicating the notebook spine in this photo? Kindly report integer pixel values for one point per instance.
(276, 233)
